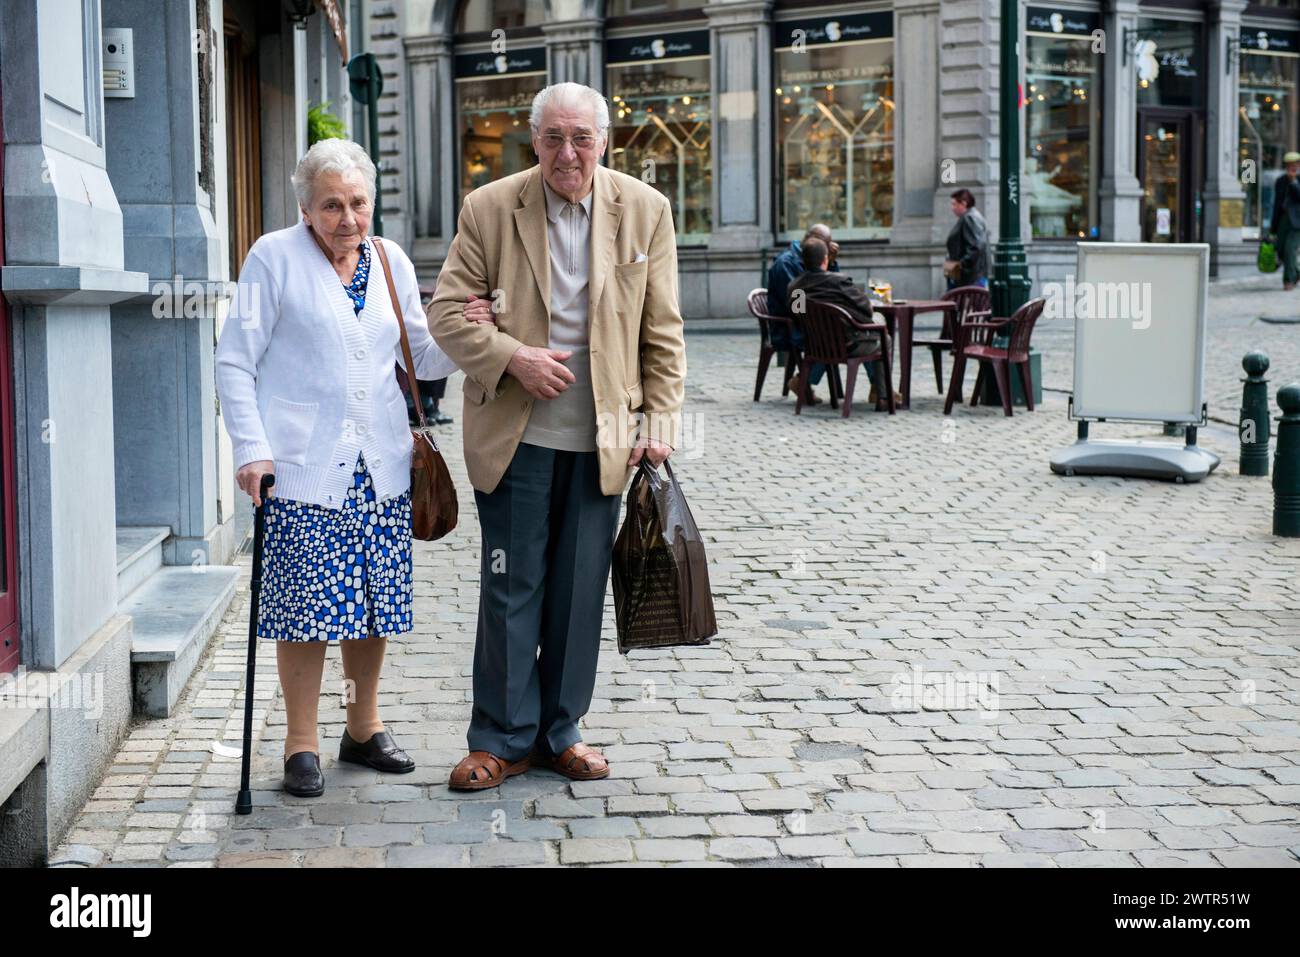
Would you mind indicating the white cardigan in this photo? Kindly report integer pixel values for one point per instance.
(308, 384)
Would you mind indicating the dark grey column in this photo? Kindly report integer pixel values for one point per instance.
(1120, 192)
(917, 135)
(1225, 199)
(432, 124)
(575, 52)
(741, 39)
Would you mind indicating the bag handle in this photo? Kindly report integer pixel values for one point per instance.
(412, 384)
(652, 474)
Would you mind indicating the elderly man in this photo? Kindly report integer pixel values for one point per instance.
(576, 372)
(1285, 224)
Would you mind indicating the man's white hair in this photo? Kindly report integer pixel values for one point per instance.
(570, 94)
(331, 156)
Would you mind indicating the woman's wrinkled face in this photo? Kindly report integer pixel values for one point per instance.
(958, 207)
(340, 210)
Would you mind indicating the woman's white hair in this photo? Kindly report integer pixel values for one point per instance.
(570, 94)
(331, 156)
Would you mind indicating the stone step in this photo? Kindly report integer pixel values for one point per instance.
(174, 613)
(139, 555)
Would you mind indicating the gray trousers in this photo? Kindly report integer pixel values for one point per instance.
(548, 536)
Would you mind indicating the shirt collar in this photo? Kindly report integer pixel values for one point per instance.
(555, 203)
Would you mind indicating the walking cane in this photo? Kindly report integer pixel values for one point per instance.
(244, 803)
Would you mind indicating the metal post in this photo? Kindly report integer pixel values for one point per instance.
(1010, 287)
(1253, 429)
(366, 83)
(1286, 465)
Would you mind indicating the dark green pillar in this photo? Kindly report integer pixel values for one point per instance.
(1253, 426)
(1010, 285)
(1286, 465)
(366, 82)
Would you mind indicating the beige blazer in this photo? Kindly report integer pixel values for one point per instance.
(638, 356)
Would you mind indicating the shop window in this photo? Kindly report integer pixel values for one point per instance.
(662, 122)
(494, 93)
(1268, 109)
(1062, 123)
(835, 124)
(482, 16)
(1168, 61)
(626, 8)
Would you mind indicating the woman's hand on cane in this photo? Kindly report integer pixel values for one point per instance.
(250, 479)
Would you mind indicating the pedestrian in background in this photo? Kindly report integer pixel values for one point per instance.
(1285, 225)
(305, 374)
(968, 244)
(785, 269)
(820, 284)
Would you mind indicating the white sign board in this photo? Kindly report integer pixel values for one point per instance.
(1139, 333)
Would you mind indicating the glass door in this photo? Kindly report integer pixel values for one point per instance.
(1166, 167)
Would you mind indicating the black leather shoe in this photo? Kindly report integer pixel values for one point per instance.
(380, 752)
(302, 776)
(437, 416)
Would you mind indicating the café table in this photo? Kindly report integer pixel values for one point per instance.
(900, 315)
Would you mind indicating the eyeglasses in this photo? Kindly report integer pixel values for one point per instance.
(581, 142)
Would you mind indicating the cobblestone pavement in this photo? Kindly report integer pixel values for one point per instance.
(932, 652)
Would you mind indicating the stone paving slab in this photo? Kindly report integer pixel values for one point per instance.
(933, 652)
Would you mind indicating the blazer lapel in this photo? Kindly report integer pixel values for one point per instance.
(530, 222)
(606, 215)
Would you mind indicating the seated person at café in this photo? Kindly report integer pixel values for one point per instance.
(818, 282)
(787, 267)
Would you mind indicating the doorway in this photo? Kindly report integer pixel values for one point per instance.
(1169, 169)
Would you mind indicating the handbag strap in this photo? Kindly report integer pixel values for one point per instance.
(412, 384)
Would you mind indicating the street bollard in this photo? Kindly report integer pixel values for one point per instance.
(1254, 427)
(1286, 465)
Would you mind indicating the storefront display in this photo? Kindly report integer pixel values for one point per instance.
(835, 125)
(1169, 59)
(1169, 62)
(1062, 123)
(658, 86)
(1266, 117)
(494, 92)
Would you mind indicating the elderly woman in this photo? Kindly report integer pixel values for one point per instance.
(305, 374)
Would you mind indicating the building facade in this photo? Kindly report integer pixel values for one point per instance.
(146, 145)
(1162, 121)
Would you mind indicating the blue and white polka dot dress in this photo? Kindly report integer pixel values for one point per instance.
(340, 574)
(337, 574)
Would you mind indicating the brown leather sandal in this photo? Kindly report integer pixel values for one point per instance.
(480, 770)
(580, 762)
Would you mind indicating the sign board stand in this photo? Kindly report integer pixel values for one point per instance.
(1137, 459)
(1139, 356)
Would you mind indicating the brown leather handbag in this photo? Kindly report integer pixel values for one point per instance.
(433, 496)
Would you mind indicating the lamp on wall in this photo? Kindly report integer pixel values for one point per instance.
(299, 11)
